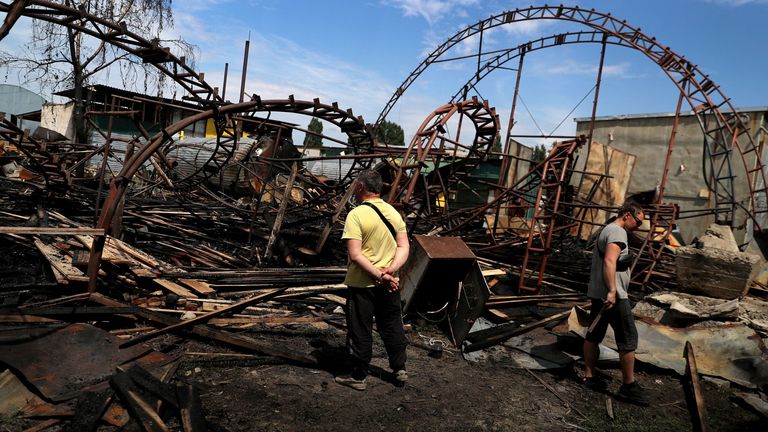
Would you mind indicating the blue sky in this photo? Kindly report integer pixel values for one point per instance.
(358, 52)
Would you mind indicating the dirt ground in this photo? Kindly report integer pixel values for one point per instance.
(447, 393)
(442, 394)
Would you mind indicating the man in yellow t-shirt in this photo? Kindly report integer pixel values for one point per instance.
(377, 244)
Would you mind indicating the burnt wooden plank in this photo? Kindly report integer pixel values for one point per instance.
(76, 311)
(150, 383)
(695, 397)
(50, 230)
(89, 409)
(60, 262)
(202, 318)
(175, 288)
(140, 410)
(190, 409)
(501, 333)
(217, 335)
(200, 287)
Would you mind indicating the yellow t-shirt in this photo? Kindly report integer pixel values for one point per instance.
(378, 244)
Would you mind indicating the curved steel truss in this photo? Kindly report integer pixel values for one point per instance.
(722, 131)
(118, 35)
(447, 159)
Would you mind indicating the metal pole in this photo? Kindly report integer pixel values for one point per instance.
(505, 162)
(663, 185)
(245, 70)
(239, 127)
(224, 84)
(597, 94)
(480, 49)
(104, 165)
(592, 128)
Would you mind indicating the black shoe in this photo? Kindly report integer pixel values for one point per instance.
(595, 384)
(634, 393)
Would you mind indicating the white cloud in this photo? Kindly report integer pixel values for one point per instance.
(737, 3)
(572, 67)
(432, 10)
(527, 28)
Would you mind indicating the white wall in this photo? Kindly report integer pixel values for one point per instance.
(58, 117)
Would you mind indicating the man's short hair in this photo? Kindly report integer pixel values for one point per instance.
(371, 181)
(631, 208)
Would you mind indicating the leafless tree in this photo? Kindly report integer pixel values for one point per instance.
(60, 57)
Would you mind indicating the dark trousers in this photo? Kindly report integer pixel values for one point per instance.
(362, 305)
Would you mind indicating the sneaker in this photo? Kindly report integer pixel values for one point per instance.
(634, 393)
(348, 381)
(401, 376)
(595, 383)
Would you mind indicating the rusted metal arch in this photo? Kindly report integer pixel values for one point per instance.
(117, 34)
(559, 39)
(705, 98)
(431, 134)
(359, 138)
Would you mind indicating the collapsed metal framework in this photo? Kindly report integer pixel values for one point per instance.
(432, 145)
(540, 191)
(708, 102)
(48, 166)
(547, 211)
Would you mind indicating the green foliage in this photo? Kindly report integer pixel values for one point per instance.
(391, 134)
(311, 140)
(497, 148)
(539, 153)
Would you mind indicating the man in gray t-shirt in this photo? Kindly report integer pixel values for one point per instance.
(608, 283)
(612, 234)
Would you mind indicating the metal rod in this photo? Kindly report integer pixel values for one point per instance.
(224, 84)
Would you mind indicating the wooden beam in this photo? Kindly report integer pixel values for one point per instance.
(200, 287)
(190, 409)
(59, 262)
(150, 383)
(224, 337)
(174, 288)
(696, 398)
(506, 333)
(339, 207)
(281, 212)
(202, 318)
(144, 415)
(264, 320)
(51, 230)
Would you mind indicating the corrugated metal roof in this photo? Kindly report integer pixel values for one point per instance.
(333, 169)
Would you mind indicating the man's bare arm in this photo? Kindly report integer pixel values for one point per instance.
(355, 251)
(401, 254)
(611, 256)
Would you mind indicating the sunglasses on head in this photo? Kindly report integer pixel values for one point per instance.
(637, 219)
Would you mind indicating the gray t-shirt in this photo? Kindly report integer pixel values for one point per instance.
(612, 233)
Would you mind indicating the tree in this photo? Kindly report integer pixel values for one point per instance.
(539, 153)
(391, 134)
(61, 57)
(496, 148)
(312, 140)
